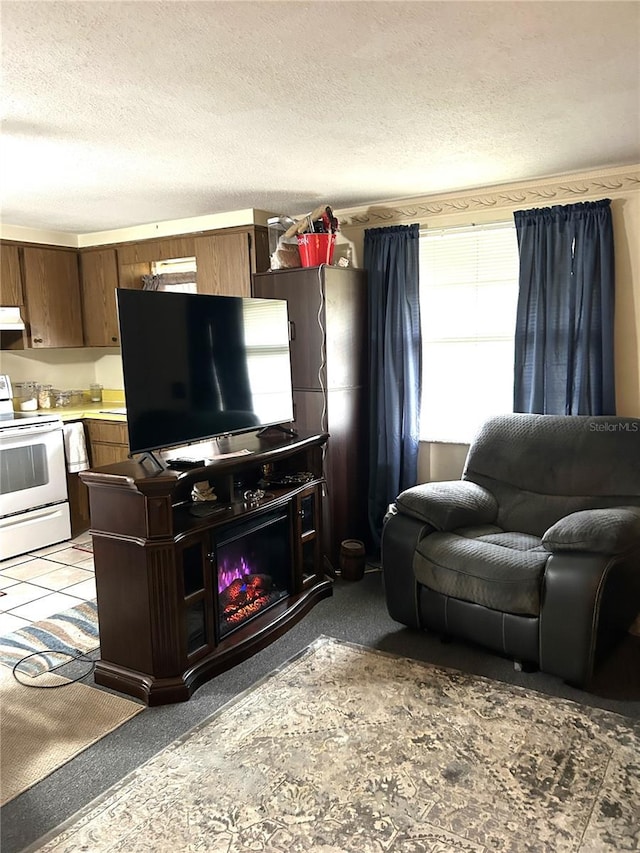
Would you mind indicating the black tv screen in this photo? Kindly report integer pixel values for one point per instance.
(198, 366)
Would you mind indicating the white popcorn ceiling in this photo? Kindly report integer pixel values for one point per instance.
(124, 113)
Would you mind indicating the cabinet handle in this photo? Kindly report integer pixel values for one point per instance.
(37, 340)
(211, 557)
(115, 340)
(292, 330)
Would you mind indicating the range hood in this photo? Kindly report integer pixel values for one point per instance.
(11, 320)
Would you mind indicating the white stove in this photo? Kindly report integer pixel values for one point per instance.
(34, 505)
(14, 419)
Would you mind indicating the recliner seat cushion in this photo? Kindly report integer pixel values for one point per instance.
(497, 569)
(497, 536)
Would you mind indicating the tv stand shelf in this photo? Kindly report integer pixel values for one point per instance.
(158, 567)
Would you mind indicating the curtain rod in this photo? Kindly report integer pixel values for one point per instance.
(481, 226)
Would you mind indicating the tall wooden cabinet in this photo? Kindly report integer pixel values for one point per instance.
(329, 365)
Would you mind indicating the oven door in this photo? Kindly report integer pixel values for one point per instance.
(32, 467)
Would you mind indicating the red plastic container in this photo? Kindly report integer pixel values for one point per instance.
(316, 249)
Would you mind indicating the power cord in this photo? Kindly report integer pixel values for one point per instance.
(80, 656)
(321, 369)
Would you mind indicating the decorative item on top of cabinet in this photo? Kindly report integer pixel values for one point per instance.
(52, 297)
(10, 277)
(99, 280)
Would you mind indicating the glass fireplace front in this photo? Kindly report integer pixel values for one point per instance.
(253, 561)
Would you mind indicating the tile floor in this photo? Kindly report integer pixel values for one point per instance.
(44, 582)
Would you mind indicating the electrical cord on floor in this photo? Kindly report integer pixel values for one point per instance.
(80, 656)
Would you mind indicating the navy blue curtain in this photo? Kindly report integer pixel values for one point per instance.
(391, 261)
(564, 329)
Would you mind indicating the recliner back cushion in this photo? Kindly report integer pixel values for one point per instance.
(543, 467)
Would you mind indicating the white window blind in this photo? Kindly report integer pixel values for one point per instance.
(267, 347)
(468, 300)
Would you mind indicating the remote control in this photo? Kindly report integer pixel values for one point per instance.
(185, 464)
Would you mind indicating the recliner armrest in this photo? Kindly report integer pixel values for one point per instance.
(612, 531)
(449, 505)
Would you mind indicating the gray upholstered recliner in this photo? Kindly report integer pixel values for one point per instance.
(535, 552)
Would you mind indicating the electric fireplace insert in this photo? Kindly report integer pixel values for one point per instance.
(254, 569)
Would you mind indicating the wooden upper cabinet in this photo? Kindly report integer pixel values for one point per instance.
(156, 250)
(225, 259)
(130, 275)
(99, 280)
(52, 296)
(223, 264)
(135, 260)
(10, 277)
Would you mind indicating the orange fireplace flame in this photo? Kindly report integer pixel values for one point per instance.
(245, 596)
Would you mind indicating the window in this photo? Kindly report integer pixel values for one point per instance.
(177, 275)
(468, 300)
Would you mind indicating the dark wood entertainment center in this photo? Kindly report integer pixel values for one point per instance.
(166, 624)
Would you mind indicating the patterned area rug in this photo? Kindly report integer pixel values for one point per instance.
(349, 749)
(63, 635)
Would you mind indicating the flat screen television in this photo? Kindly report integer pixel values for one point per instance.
(197, 366)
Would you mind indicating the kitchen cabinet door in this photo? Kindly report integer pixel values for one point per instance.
(99, 280)
(52, 297)
(223, 264)
(109, 442)
(135, 260)
(10, 279)
(147, 251)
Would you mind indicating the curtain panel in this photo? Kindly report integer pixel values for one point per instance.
(564, 361)
(391, 260)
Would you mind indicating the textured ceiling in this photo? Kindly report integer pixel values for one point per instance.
(123, 113)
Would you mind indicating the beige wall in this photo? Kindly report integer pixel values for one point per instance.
(494, 204)
(66, 369)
